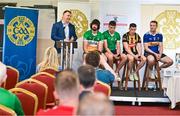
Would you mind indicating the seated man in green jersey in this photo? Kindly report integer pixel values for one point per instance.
(93, 41)
(7, 98)
(133, 48)
(112, 47)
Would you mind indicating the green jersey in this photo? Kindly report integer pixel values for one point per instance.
(111, 39)
(10, 100)
(91, 38)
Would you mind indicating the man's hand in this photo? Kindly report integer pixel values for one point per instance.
(117, 56)
(158, 57)
(137, 57)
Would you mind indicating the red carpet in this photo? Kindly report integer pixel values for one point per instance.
(121, 110)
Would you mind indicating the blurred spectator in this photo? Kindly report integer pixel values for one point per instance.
(87, 79)
(50, 59)
(67, 91)
(93, 58)
(7, 98)
(96, 104)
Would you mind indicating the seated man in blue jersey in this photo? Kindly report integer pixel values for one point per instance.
(153, 44)
(93, 59)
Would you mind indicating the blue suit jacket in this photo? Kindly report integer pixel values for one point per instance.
(58, 34)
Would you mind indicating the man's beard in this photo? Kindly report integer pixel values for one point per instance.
(94, 29)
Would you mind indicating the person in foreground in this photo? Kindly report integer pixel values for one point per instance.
(93, 59)
(96, 104)
(7, 98)
(87, 78)
(153, 44)
(50, 60)
(67, 91)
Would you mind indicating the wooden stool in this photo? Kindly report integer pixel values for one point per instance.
(126, 76)
(148, 79)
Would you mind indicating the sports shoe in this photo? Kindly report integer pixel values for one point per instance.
(153, 75)
(131, 77)
(135, 77)
(118, 78)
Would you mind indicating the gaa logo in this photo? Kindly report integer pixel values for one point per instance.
(21, 30)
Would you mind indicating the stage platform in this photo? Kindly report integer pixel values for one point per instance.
(139, 97)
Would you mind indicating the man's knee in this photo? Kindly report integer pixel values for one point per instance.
(130, 58)
(110, 57)
(123, 57)
(143, 59)
(151, 60)
(170, 62)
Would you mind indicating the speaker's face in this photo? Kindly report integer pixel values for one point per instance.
(67, 17)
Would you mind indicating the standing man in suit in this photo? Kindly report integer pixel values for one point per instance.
(63, 30)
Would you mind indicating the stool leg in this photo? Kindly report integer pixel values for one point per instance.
(159, 77)
(139, 83)
(144, 79)
(147, 78)
(123, 76)
(127, 78)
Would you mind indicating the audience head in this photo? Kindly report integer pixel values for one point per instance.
(95, 25)
(93, 59)
(67, 86)
(112, 26)
(153, 26)
(66, 16)
(3, 73)
(50, 59)
(132, 28)
(95, 104)
(87, 76)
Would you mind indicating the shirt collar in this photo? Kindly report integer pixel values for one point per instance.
(65, 24)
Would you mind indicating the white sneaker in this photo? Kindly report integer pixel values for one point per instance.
(135, 77)
(153, 75)
(118, 78)
(131, 77)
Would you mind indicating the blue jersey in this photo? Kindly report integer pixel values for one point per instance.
(153, 41)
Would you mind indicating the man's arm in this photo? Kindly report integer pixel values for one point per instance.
(106, 47)
(74, 33)
(126, 47)
(160, 48)
(139, 49)
(53, 33)
(118, 47)
(139, 46)
(100, 45)
(85, 46)
(146, 47)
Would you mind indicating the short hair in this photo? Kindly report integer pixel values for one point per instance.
(67, 11)
(67, 84)
(132, 25)
(87, 77)
(3, 73)
(95, 104)
(153, 21)
(112, 23)
(95, 22)
(93, 58)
